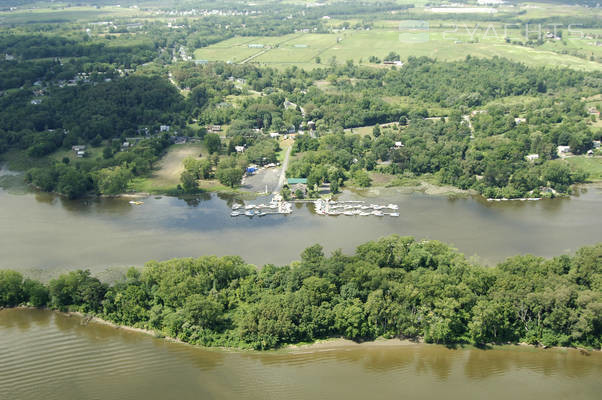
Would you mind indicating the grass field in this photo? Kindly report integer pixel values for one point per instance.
(440, 43)
(167, 175)
(64, 14)
(592, 165)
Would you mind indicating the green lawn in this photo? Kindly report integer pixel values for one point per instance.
(592, 165)
(166, 177)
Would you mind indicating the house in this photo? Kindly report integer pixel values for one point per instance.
(398, 145)
(274, 134)
(593, 111)
(214, 128)
(81, 154)
(36, 102)
(311, 125)
(239, 149)
(291, 129)
(164, 128)
(396, 63)
(532, 157)
(596, 144)
(79, 147)
(560, 150)
(125, 146)
(590, 152)
(520, 120)
(289, 104)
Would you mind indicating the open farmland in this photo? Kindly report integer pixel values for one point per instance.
(445, 43)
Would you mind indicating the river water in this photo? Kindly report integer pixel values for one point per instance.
(46, 355)
(46, 234)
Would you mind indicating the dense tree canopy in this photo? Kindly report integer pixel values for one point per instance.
(393, 287)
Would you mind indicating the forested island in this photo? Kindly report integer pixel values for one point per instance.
(392, 287)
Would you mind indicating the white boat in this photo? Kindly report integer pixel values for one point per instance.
(136, 203)
(394, 214)
(249, 206)
(364, 214)
(235, 214)
(393, 206)
(236, 206)
(348, 213)
(249, 213)
(378, 213)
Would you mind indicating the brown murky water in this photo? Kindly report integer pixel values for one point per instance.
(45, 355)
(49, 234)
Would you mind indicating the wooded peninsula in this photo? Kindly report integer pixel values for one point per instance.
(393, 287)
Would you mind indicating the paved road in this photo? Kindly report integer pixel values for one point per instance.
(283, 170)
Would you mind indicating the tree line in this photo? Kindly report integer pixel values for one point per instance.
(392, 287)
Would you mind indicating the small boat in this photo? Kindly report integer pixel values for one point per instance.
(249, 206)
(364, 214)
(249, 213)
(348, 213)
(261, 214)
(236, 206)
(136, 203)
(394, 214)
(393, 206)
(378, 213)
(235, 214)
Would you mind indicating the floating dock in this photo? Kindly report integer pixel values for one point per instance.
(354, 208)
(276, 206)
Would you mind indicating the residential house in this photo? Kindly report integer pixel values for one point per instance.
(239, 149)
(560, 150)
(164, 128)
(398, 145)
(532, 157)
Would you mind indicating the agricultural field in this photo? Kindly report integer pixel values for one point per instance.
(65, 14)
(445, 43)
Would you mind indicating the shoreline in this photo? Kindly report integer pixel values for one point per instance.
(327, 344)
(423, 186)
